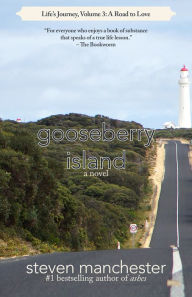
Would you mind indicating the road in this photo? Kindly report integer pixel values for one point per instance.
(166, 232)
(170, 230)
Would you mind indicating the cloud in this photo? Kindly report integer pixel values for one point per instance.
(41, 75)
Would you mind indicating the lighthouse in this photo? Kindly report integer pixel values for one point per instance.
(184, 99)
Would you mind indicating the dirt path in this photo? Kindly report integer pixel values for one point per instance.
(156, 177)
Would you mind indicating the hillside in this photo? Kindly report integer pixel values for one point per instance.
(185, 133)
(44, 202)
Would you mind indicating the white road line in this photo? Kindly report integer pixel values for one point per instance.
(177, 282)
(177, 166)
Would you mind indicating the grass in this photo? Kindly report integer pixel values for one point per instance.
(13, 244)
(141, 214)
(144, 210)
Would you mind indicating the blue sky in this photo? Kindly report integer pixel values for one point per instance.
(138, 80)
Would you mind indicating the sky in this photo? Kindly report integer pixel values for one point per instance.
(40, 75)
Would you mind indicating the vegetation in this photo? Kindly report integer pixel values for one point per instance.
(174, 133)
(58, 209)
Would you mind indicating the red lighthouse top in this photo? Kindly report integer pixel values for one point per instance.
(184, 68)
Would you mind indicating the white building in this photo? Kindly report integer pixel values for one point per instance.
(169, 125)
(184, 99)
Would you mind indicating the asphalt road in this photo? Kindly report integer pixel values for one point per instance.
(15, 282)
(165, 232)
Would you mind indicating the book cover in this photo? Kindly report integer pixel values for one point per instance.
(95, 148)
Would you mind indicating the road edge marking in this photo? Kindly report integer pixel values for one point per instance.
(177, 168)
(177, 281)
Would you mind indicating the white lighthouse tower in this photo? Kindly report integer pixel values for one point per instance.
(184, 99)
